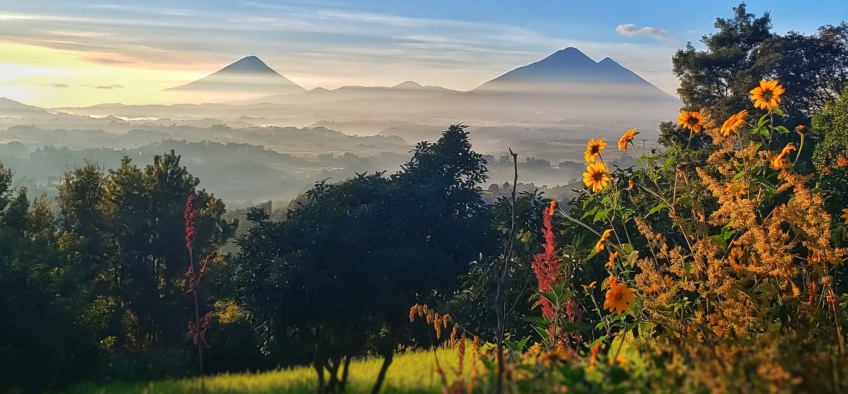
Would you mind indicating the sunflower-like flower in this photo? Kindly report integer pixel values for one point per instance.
(599, 246)
(619, 296)
(596, 176)
(734, 123)
(845, 215)
(593, 149)
(767, 95)
(692, 120)
(780, 160)
(611, 262)
(627, 138)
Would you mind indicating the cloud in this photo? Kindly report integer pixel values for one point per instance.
(631, 30)
(60, 85)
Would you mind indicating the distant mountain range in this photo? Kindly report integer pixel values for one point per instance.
(566, 74)
(248, 75)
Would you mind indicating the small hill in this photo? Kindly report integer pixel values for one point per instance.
(405, 90)
(12, 105)
(248, 75)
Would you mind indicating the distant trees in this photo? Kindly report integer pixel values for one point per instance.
(342, 271)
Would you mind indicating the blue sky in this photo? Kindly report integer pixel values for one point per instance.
(456, 44)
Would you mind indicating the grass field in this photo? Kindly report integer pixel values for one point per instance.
(409, 373)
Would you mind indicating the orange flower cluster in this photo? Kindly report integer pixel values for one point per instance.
(767, 95)
(780, 161)
(692, 120)
(734, 123)
(438, 321)
(619, 296)
(599, 246)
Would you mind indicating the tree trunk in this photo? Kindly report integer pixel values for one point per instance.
(344, 373)
(387, 360)
(319, 369)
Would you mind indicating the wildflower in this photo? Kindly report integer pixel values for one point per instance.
(627, 137)
(593, 149)
(546, 265)
(845, 215)
(602, 242)
(654, 288)
(800, 128)
(592, 360)
(842, 161)
(190, 213)
(736, 188)
(558, 355)
(536, 349)
(734, 123)
(619, 296)
(476, 342)
(454, 332)
(553, 207)
(620, 360)
(767, 95)
(691, 120)
(780, 160)
(611, 262)
(630, 184)
(596, 176)
(590, 285)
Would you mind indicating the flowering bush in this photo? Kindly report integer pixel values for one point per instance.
(719, 271)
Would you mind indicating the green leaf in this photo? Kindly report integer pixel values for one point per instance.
(765, 132)
(758, 145)
(738, 175)
(782, 129)
(590, 212)
(549, 296)
(601, 215)
(630, 261)
(627, 248)
(778, 111)
(762, 121)
(538, 320)
(657, 208)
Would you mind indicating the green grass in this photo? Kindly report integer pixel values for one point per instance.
(412, 372)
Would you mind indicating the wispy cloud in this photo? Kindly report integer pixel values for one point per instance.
(630, 30)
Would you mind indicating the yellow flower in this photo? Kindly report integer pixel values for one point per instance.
(734, 123)
(590, 285)
(593, 149)
(691, 120)
(627, 137)
(630, 184)
(780, 160)
(767, 95)
(602, 242)
(845, 215)
(619, 297)
(596, 176)
(611, 262)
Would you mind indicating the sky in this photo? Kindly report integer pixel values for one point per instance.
(59, 53)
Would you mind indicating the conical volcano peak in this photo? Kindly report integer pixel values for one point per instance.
(249, 75)
(249, 65)
(407, 85)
